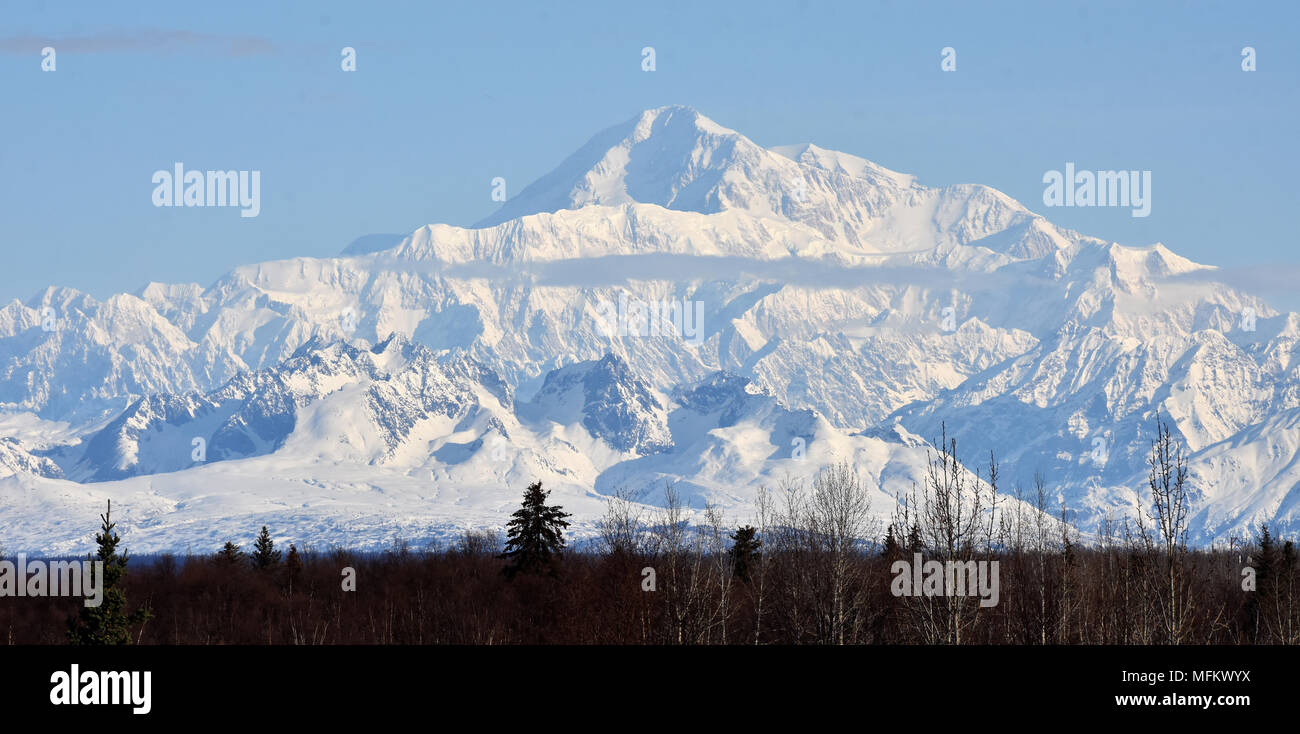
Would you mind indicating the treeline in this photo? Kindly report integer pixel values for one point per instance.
(812, 567)
(459, 595)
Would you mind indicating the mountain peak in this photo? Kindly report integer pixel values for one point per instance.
(610, 401)
(845, 164)
(675, 158)
(659, 119)
(670, 156)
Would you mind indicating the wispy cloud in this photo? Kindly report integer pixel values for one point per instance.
(620, 269)
(141, 41)
(1276, 283)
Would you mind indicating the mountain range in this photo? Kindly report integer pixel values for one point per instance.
(672, 303)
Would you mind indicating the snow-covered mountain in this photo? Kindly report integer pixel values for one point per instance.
(672, 302)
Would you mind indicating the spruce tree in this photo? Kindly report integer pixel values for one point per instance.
(293, 562)
(108, 623)
(264, 553)
(1263, 602)
(914, 542)
(535, 535)
(891, 550)
(230, 554)
(744, 551)
(292, 567)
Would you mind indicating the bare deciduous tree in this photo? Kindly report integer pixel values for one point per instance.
(1167, 483)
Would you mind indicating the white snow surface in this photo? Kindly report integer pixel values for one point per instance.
(413, 392)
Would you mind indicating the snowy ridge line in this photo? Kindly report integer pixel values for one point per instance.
(863, 303)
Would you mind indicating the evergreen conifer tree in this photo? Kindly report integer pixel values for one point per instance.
(891, 549)
(914, 542)
(264, 553)
(108, 623)
(230, 554)
(293, 561)
(535, 534)
(744, 551)
(292, 567)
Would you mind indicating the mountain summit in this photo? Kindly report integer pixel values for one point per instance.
(672, 157)
(675, 158)
(839, 311)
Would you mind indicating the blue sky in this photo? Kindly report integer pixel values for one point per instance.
(444, 99)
